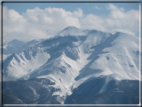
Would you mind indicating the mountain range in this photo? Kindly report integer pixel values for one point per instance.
(74, 67)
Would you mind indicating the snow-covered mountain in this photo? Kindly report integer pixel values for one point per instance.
(75, 56)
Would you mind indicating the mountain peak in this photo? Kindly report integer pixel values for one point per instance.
(15, 41)
(72, 31)
(70, 28)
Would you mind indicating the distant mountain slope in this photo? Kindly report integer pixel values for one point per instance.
(11, 47)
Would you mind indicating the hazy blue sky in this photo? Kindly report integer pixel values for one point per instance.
(86, 7)
(44, 20)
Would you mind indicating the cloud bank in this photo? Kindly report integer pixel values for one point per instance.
(37, 23)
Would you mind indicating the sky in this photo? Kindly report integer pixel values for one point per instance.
(28, 21)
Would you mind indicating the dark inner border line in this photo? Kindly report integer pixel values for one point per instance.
(71, 1)
(1, 54)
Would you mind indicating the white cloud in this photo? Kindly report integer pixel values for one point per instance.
(93, 22)
(98, 8)
(78, 13)
(111, 7)
(37, 23)
(120, 19)
(116, 20)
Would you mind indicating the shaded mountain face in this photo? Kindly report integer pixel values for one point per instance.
(115, 92)
(73, 57)
(32, 91)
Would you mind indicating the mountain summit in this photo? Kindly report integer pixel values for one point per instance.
(73, 31)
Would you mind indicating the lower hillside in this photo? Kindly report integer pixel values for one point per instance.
(114, 92)
(93, 91)
(33, 91)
